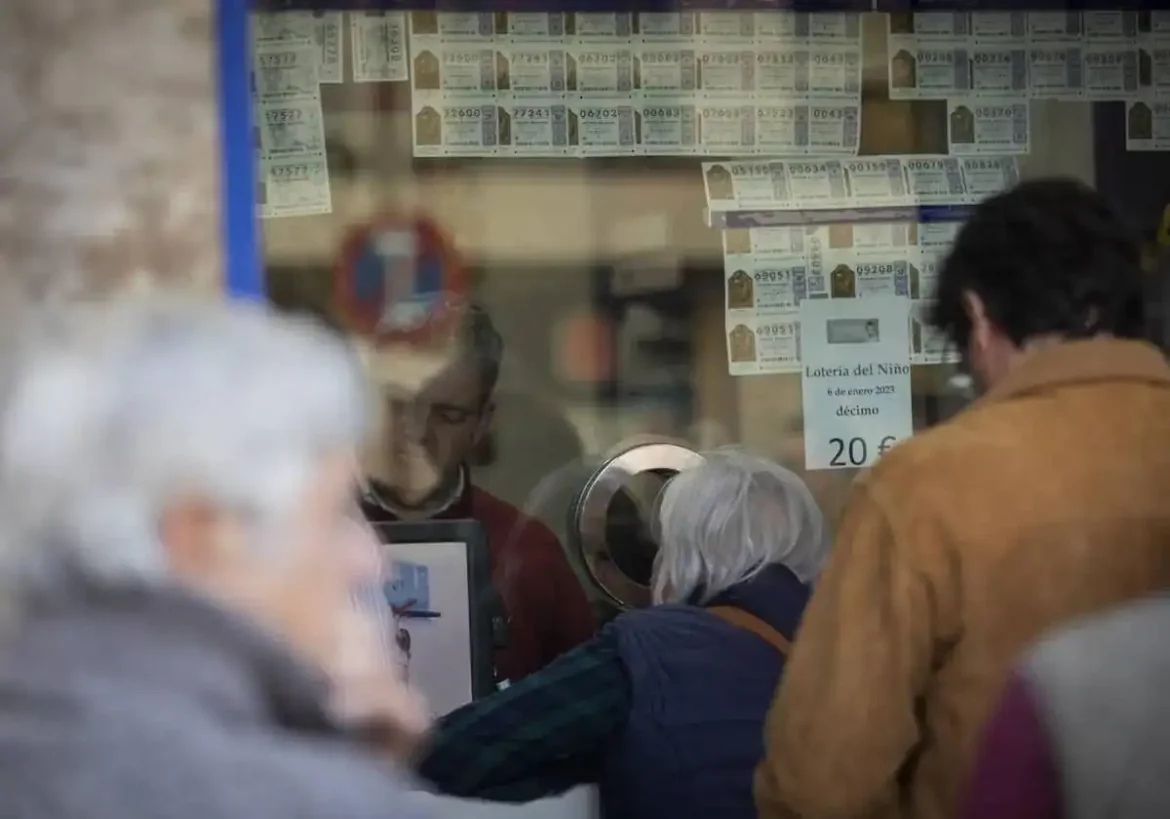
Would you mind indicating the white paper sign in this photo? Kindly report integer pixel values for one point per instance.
(855, 379)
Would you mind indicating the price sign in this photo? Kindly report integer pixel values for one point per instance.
(855, 375)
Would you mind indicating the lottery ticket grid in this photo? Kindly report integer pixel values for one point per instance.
(862, 182)
(290, 129)
(616, 84)
(1098, 56)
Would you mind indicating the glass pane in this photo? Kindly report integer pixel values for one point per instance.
(642, 204)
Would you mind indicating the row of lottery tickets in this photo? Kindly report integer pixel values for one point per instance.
(1095, 56)
(621, 84)
(861, 182)
(770, 271)
(294, 53)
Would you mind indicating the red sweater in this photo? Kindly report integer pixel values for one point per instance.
(547, 610)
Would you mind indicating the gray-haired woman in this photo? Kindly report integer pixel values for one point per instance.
(178, 544)
(665, 708)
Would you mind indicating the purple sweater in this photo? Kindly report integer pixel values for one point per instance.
(1015, 776)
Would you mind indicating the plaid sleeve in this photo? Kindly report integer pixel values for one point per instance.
(540, 736)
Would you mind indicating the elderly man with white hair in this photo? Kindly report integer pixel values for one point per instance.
(665, 708)
(179, 549)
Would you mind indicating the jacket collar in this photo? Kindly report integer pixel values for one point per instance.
(775, 595)
(1082, 362)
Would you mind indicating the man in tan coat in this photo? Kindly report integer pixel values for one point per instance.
(1045, 500)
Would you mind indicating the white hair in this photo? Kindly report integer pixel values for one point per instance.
(721, 522)
(113, 410)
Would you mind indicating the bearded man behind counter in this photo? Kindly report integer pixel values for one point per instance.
(428, 440)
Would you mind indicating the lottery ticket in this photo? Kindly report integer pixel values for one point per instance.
(1056, 71)
(746, 184)
(667, 70)
(934, 180)
(834, 71)
(929, 72)
(985, 176)
(760, 345)
(932, 27)
(1110, 25)
(1111, 71)
(934, 239)
(452, 128)
(834, 127)
(727, 26)
(534, 128)
(782, 72)
(988, 126)
(726, 72)
(378, 46)
(294, 186)
(291, 127)
(1154, 25)
(1055, 27)
(1147, 125)
(526, 27)
(876, 182)
(843, 242)
(999, 27)
(601, 71)
(604, 129)
(927, 344)
(668, 127)
(740, 245)
(532, 71)
(285, 69)
(666, 26)
(999, 71)
(924, 270)
(764, 285)
(323, 28)
(780, 27)
(604, 26)
(853, 274)
(448, 25)
(1154, 68)
(817, 184)
(782, 129)
(843, 28)
(456, 69)
(727, 128)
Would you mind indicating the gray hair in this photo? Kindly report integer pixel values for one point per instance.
(113, 410)
(723, 521)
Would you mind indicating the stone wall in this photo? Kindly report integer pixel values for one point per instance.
(109, 158)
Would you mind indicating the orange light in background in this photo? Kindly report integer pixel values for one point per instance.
(583, 350)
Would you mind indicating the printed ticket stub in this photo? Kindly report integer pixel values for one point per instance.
(1056, 71)
(831, 27)
(534, 128)
(727, 129)
(1111, 71)
(667, 26)
(875, 182)
(1055, 27)
(780, 27)
(1110, 25)
(985, 176)
(596, 70)
(323, 28)
(457, 69)
(834, 127)
(294, 186)
(747, 184)
(817, 184)
(999, 27)
(285, 69)
(470, 129)
(782, 130)
(934, 180)
(988, 126)
(604, 129)
(868, 274)
(611, 26)
(1147, 125)
(525, 27)
(532, 71)
(731, 26)
(447, 25)
(999, 71)
(726, 72)
(765, 285)
(291, 127)
(834, 71)
(758, 345)
(774, 243)
(666, 70)
(669, 127)
(782, 72)
(927, 72)
(1154, 68)
(378, 44)
(933, 27)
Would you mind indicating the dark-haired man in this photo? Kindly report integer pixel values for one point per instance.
(1045, 500)
(428, 439)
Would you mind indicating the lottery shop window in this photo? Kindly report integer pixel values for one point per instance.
(590, 171)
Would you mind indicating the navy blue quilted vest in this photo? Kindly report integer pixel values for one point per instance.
(701, 689)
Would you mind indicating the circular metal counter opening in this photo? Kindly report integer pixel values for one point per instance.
(614, 521)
